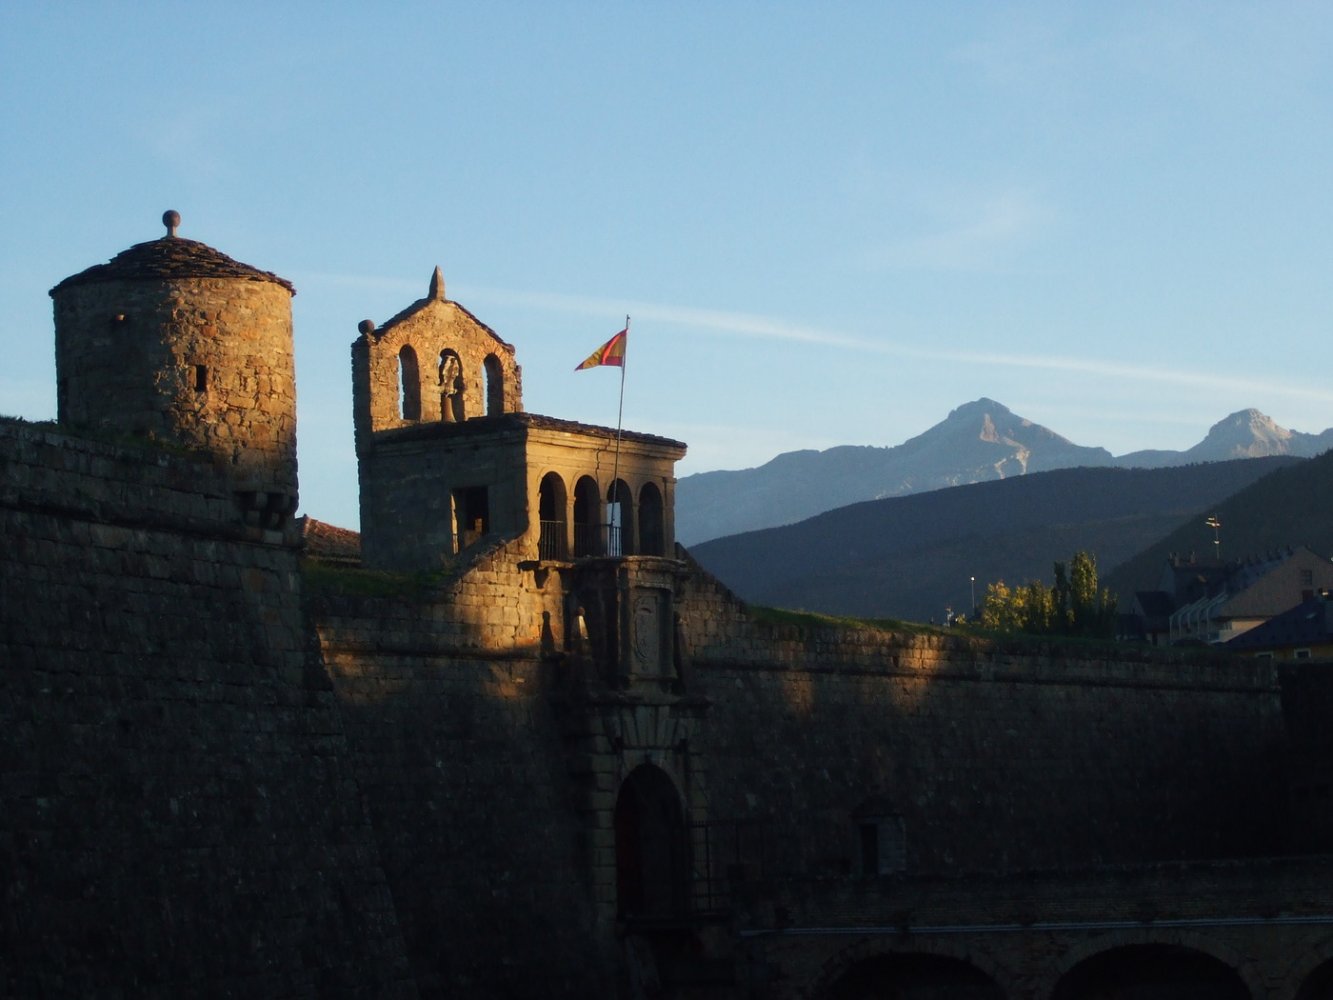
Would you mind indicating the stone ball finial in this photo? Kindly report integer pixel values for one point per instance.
(171, 219)
(366, 327)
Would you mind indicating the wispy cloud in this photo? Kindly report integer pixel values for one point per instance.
(758, 327)
(1101, 368)
(983, 237)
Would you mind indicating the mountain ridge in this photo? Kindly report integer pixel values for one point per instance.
(979, 441)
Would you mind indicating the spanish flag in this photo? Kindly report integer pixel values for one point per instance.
(610, 353)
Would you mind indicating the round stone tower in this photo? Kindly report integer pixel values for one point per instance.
(174, 341)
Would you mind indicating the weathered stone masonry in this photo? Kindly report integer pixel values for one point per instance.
(178, 811)
(997, 762)
(534, 750)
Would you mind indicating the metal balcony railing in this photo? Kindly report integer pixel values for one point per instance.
(552, 544)
(589, 540)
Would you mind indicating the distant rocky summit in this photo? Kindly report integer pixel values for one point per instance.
(977, 442)
(1244, 434)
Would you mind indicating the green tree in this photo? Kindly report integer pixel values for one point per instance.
(1035, 608)
(998, 609)
(1082, 592)
(1092, 609)
(1060, 599)
(1073, 605)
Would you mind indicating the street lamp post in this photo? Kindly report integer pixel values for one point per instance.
(973, 612)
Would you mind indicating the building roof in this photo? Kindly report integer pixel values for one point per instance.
(1268, 586)
(170, 256)
(328, 542)
(1309, 623)
(435, 293)
(521, 421)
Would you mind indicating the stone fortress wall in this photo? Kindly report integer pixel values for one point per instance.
(178, 808)
(181, 761)
(445, 701)
(996, 761)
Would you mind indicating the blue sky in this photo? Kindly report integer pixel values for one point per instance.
(831, 223)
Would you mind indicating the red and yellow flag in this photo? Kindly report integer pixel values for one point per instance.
(610, 353)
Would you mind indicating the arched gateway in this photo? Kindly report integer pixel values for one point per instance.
(652, 850)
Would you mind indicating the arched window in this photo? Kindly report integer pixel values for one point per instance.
(587, 518)
(409, 385)
(552, 502)
(619, 519)
(450, 379)
(652, 523)
(652, 851)
(492, 372)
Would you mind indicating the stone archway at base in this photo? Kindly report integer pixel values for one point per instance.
(1319, 984)
(1151, 972)
(914, 976)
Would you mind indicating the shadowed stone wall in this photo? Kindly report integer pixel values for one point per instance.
(204, 790)
(446, 701)
(178, 813)
(996, 758)
(491, 778)
(1267, 921)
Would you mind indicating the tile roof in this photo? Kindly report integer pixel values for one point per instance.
(435, 294)
(1308, 623)
(329, 542)
(170, 257)
(516, 422)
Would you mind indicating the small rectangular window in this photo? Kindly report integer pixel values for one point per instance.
(883, 845)
(200, 378)
(472, 515)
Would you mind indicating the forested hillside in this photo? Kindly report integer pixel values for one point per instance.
(914, 557)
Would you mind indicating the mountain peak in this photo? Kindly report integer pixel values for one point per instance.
(977, 409)
(1245, 434)
(1248, 419)
(977, 442)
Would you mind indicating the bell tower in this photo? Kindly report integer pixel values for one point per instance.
(449, 459)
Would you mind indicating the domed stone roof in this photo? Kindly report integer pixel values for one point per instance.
(171, 256)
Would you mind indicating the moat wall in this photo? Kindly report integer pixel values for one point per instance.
(178, 815)
(445, 702)
(996, 757)
(213, 782)
(491, 775)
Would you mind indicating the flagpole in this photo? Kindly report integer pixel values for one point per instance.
(620, 419)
